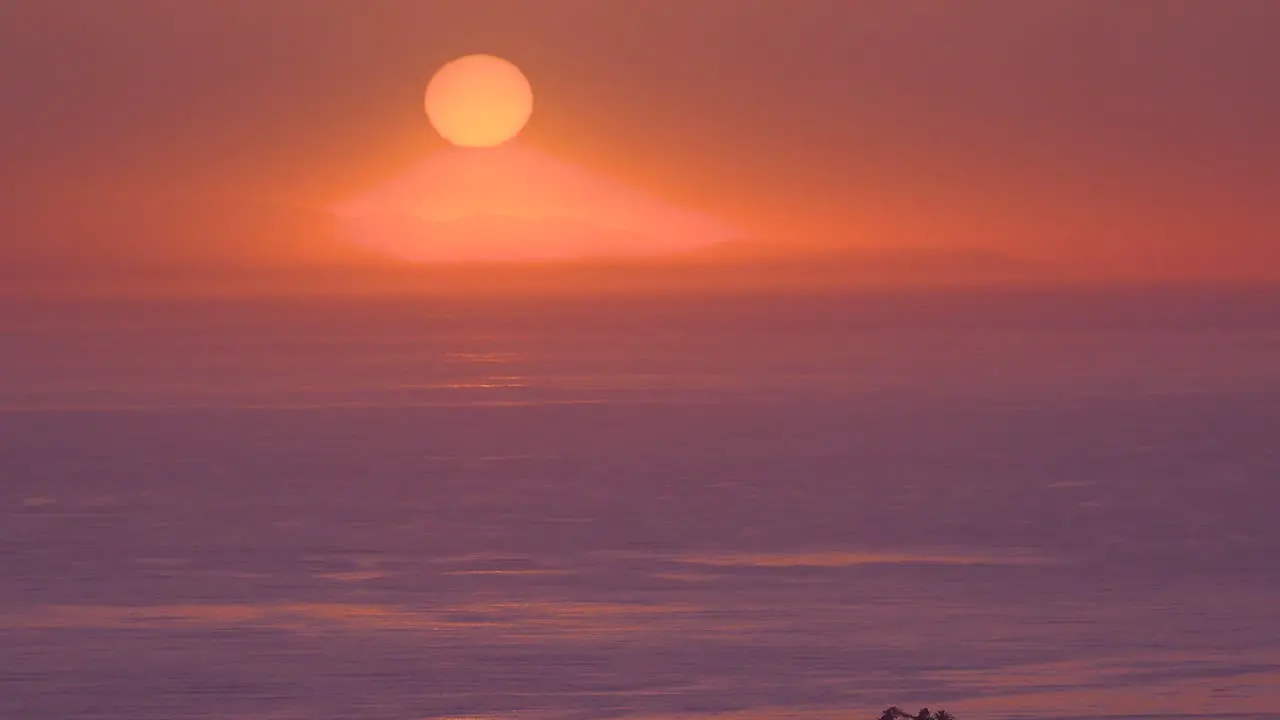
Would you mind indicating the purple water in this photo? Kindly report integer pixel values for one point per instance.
(1009, 505)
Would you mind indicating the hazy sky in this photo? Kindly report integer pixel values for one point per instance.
(1125, 135)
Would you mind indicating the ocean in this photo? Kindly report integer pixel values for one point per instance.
(1006, 504)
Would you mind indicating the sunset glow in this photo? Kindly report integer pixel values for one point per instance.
(512, 203)
(825, 360)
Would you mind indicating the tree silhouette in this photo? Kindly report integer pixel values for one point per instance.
(896, 713)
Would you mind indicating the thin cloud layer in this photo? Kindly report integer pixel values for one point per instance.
(512, 203)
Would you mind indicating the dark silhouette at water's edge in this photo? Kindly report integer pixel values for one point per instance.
(896, 713)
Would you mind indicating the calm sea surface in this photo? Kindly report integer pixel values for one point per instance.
(1012, 506)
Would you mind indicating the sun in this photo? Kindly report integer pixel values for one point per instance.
(479, 101)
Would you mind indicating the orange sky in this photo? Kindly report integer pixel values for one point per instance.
(1133, 139)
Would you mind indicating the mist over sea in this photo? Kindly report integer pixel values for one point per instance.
(1011, 505)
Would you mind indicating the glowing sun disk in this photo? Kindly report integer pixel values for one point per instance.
(479, 101)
